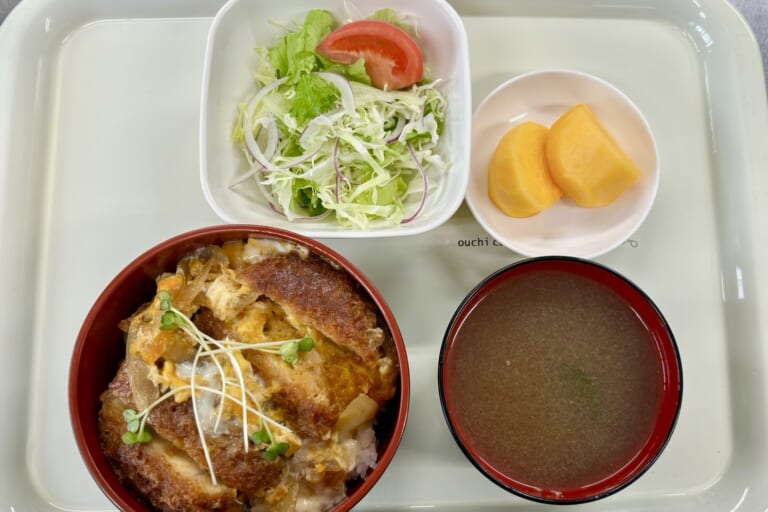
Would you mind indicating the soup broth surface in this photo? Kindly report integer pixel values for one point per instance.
(554, 380)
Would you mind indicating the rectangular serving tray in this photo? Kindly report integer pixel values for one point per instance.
(98, 162)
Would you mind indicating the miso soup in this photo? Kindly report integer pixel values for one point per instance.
(554, 380)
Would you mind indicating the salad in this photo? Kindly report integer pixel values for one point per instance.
(343, 123)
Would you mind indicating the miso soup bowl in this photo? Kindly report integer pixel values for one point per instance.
(513, 429)
(100, 347)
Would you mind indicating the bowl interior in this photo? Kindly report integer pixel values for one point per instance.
(664, 347)
(100, 347)
(564, 228)
(243, 25)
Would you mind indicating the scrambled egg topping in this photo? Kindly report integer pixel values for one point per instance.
(235, 348)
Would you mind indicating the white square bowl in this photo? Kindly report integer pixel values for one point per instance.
(230, 60)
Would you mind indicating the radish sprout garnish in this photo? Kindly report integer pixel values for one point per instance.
(137, 430)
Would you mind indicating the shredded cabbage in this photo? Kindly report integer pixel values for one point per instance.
(321, 141)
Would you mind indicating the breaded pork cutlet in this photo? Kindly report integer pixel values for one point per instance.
(314, 293)
(158, 468)
(348, 372)
(349, 345)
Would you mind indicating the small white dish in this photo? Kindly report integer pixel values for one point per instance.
(565, 228)
(242, 25)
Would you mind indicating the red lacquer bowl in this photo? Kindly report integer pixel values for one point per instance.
(660, 417)
(100, 347)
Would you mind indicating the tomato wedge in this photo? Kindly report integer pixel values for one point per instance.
(393, 59)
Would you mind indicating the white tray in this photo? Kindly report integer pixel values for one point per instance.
(98, 161)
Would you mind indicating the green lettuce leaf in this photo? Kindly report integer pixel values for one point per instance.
(294, 55)
(313, 96)
(391, 16)
(355, 71)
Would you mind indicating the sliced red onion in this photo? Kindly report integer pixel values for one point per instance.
(257, 163)
(275, 209)
(268, 196)
(344, 87)
(250, 108)
(426, 185)
(253, 146)
(249, 174)
(266, 121)
(272, 136)
(397, 131)
(255, 166)
(263, 160)
(339, 175)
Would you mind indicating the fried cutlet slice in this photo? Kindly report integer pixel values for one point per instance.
(157, 469)
(249, 472)
(310, 395)
(316, 294)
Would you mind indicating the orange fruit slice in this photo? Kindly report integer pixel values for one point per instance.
(519, 183)
(585, 160)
